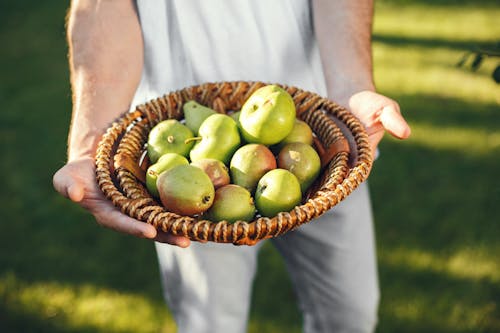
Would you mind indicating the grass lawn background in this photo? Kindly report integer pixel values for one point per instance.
(436, 196)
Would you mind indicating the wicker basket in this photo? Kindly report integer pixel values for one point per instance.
(120, 169)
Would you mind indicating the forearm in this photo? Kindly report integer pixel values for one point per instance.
(343, 31)
(105, 61)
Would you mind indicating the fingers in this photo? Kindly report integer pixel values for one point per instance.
(393, 122)
(379, 112)
(112, 218)
(180, 241)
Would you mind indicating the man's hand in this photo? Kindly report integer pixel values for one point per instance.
(105, 58)
(343, 30)
(378, 114)
(76, 181)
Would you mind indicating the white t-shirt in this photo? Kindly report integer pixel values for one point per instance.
(188, 42)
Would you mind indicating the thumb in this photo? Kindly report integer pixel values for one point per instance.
(394, 123)
(68, 185)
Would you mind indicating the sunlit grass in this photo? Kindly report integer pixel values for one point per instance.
(468, 263)
(463, 21)
(416, 48)
(460, 140)
(432, 71)
(83, 306)
(462, 316)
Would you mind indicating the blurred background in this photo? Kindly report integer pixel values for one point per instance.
(436, 195)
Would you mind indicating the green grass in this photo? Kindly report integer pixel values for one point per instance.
(435, 195)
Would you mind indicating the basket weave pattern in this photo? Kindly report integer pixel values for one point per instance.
(121, 178)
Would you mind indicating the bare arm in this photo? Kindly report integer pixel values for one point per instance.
(343, 30)
(105, 60)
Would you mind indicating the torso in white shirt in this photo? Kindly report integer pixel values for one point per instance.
(190, 42)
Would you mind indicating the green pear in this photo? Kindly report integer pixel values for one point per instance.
(232, 203)
(185, 190)
(218, 139)
(301, 132)
(302, 160)
(277, 191)
(268, 115)
(249, 163)
(169, 136)
(195, 114)
(164, 163)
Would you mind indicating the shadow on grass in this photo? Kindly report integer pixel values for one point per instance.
(435, 199)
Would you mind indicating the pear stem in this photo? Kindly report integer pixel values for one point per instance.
(189, 140)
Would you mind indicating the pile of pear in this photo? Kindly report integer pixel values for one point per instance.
(257, 161)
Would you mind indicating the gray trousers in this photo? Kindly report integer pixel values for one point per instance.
(331, 262)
